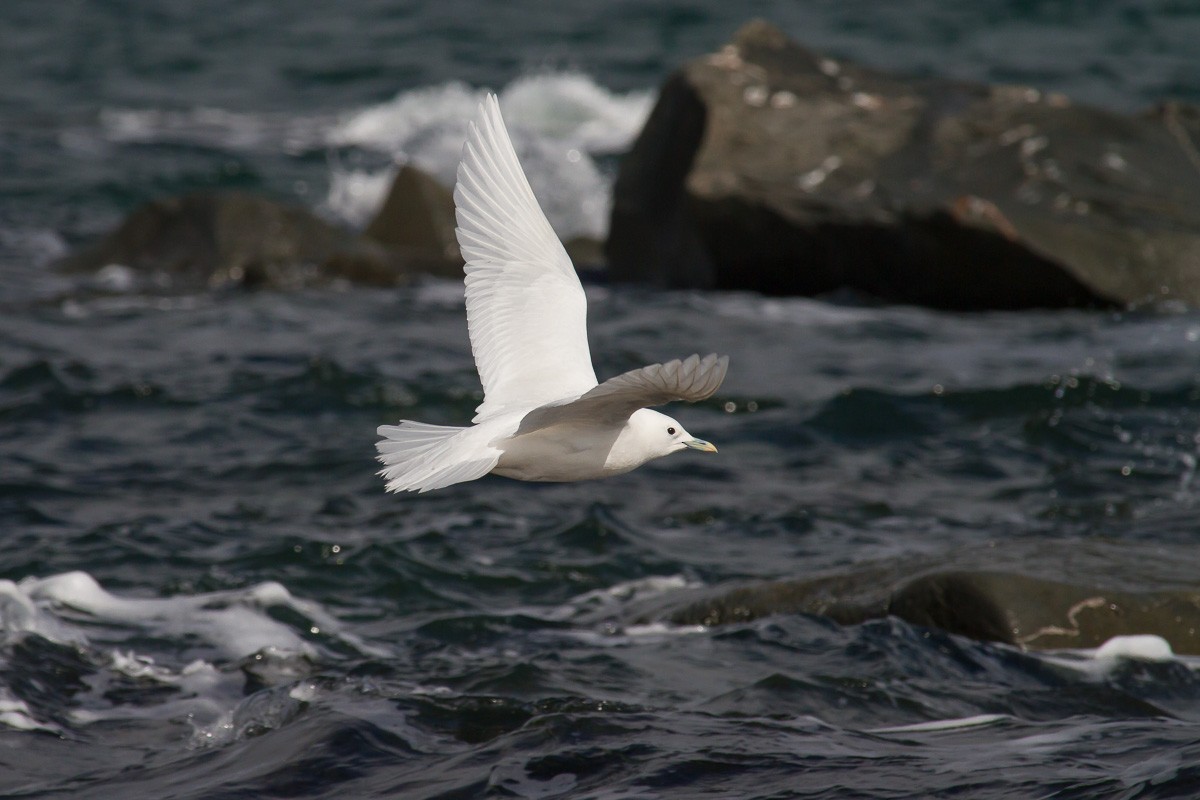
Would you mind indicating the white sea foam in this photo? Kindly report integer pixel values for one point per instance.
(356, 195)
(558, 122)
(209, 127)
(36, 244)
(1103, 661)
(566, 107)
(231, 624)
(661, 630)
(612, 600)
(957, 723)
(792, 311)
(1144, 647)
(15, 713)
(212, 641)
(408, 119)
(19, 613)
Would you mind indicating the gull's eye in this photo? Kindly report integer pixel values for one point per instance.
(670, 431)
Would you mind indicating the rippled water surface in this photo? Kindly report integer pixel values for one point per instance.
(212, 596)
(205, 593)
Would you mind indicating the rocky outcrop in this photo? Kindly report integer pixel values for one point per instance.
(234, 238)
(417, 221)
(1028, 612)
(768, 167)
(213, 239)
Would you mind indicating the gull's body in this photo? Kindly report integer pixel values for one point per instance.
(544, 417)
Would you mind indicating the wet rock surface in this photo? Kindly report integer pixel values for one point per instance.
(213, 239)
(218, 239)
(417, 220)
(1025, 611)
(768, 167)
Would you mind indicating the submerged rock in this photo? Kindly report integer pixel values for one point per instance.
(222, 238)
(771, 168)
(417, 219)
(212, 239)
(990, 606)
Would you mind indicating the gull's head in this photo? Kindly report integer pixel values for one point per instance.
(661, 435)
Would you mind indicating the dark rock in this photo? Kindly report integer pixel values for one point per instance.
(210, 239)
(222, 238)
(652, 237)
(771, 168)
(1015, 609)
(586, 253)
(417, 219)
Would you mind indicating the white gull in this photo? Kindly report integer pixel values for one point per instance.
(544, 417)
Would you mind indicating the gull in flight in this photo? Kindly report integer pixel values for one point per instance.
(544, 417)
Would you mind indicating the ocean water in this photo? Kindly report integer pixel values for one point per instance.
(204, 592)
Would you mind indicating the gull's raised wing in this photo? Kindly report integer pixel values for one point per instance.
(694, 378)
(526, 310)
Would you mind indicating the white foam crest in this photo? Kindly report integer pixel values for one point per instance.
(36, 244)
(1103, 661)
(568, 107)
(16, 714)
(557, 121)
(661, 630)
(1143, 647)
(568, 185)
(796, 311)
(612, 599)
(204, 696)
(213, 641)
(73, 608)
(633, 635)
(213, 127)
(129, 663)
(233, 623)
(356, 195)
(20, 614)
(571, 107)
(957, 723)
(407, 118)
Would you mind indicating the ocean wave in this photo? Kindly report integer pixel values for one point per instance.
(163, 658)
(214, 128)
(568, 107)
(560, 123)
(36, 245)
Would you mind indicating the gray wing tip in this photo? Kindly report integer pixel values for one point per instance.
(711, 373)
(695, 378)
(721, 367)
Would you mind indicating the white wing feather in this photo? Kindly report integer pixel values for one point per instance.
(526, 310)
(691, 379)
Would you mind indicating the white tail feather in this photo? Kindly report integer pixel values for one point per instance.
(422, 457)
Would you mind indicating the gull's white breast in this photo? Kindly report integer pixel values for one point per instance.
(572, 452)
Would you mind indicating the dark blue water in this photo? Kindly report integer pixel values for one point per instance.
(204, 592)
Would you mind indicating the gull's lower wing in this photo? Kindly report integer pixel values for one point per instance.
(526, 310)
(691, 379)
